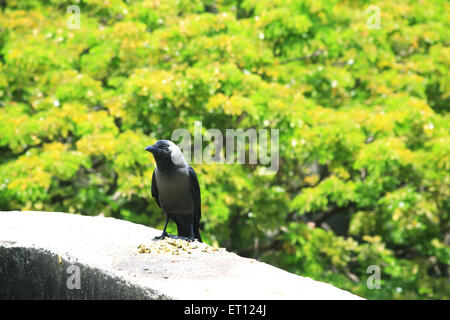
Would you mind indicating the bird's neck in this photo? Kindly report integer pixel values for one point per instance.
(164, 166)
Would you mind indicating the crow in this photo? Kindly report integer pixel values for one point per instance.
(176, 190)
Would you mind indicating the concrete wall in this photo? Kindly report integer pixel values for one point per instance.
(47, 255)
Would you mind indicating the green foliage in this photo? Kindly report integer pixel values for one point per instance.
(363, 117)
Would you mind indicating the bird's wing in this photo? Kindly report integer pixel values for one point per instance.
(155, 189)
(195, 189)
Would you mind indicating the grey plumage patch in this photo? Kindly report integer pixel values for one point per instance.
(176, 155)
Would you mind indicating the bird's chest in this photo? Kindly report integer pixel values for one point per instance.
(175, 194)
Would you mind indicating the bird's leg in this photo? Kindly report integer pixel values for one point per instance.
(164, 233)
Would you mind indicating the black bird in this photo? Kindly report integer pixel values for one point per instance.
(176, 190)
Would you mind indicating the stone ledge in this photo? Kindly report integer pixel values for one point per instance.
(37, 248)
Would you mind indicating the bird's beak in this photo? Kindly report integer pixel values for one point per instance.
(151, 149)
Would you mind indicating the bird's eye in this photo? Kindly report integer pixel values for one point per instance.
(164, 146)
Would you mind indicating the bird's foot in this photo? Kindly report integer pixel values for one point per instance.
(161, 237)
(166, 235)
(188, 239)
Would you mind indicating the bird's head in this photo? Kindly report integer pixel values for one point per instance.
(166, 152)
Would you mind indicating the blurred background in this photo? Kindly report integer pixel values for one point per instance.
(360, 96)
